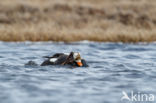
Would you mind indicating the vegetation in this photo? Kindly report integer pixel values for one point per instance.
(75, 20)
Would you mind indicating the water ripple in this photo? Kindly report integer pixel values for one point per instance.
(113, 67)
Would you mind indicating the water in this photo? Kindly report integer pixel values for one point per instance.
(114, 67)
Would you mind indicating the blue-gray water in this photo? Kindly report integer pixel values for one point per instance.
(114, 67)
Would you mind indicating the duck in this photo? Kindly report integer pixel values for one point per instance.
(73, 59)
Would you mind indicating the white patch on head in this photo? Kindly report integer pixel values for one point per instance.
(53, 59)
(75, 55)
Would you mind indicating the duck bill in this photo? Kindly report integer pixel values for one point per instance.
(79, 63)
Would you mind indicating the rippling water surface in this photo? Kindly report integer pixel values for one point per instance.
(114, 67)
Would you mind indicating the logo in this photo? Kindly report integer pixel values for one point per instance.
(140, 97)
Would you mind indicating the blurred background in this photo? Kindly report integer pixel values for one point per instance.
(76, 20)
(113, 67)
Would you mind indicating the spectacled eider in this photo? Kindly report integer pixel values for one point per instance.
(73, 59)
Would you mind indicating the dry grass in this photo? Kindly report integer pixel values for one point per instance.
(75, 20)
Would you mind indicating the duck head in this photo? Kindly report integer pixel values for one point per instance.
(77, 59)
(74, 57)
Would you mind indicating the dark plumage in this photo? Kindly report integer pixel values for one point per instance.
(73, 59)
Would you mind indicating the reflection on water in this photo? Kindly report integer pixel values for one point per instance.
(114, 67)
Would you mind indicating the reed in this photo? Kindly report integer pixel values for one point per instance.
(61, 20)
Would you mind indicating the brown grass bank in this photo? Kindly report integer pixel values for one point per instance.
(75, 20)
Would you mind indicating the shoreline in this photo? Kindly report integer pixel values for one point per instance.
(80, 41)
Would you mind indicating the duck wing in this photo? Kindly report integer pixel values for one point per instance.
(47, 62)
(54, 56)
(69, 59)
(56, 59)
(61, 59)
